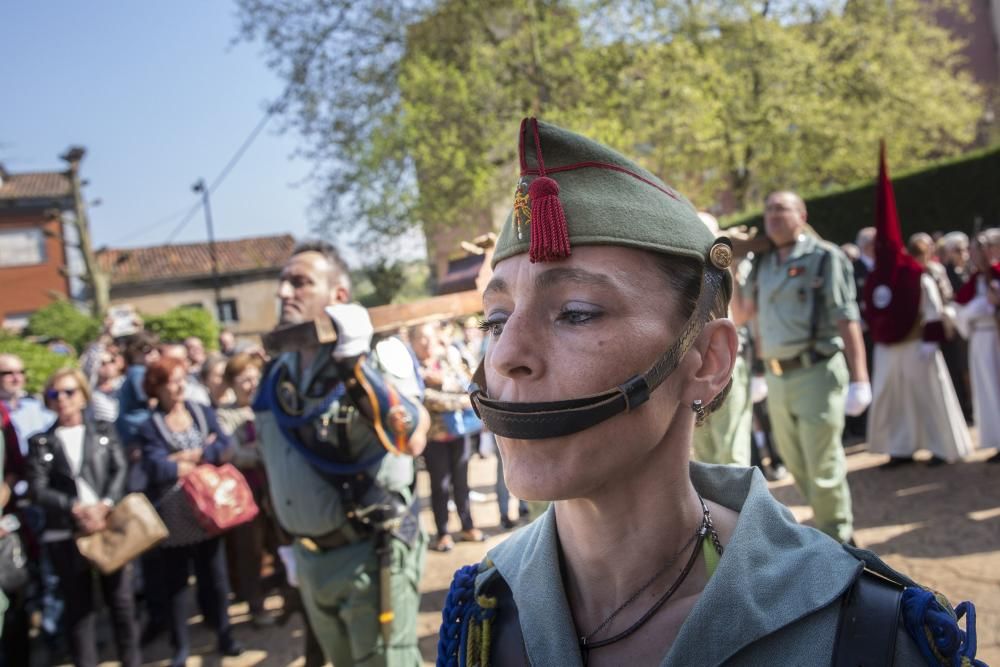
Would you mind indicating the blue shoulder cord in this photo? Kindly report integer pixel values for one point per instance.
(454, 626)
(266, 401)
(934, 628)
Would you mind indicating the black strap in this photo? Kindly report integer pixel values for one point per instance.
(532, 421)
(869, 617)
(818, 298)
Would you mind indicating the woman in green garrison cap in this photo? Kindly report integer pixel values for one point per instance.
(608, 345)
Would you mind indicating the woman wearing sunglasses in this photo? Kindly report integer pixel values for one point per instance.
(76, 473)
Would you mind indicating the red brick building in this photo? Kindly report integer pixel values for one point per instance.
(33, 260)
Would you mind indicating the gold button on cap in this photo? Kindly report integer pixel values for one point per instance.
(721, 255)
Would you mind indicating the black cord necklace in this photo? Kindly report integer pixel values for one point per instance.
(706, 528)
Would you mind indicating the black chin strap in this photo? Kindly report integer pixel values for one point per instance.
(535, 421)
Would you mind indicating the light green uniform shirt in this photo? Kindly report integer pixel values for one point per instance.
(774, 598)
(784, 293)
(306, 502)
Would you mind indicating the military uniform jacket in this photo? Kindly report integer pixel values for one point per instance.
(306, 502)
(784, 293)
(774, 598)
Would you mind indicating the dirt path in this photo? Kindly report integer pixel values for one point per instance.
(939, 525)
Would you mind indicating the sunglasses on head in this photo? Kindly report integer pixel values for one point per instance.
(17, 372)
(53, 394)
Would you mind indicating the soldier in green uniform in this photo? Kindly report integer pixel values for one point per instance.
(608, 341)
(725, 435)
(802, 294)
(339, 425)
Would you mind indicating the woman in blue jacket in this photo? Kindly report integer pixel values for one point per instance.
(178, 437)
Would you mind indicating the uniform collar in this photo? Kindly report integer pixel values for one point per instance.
(753, 592)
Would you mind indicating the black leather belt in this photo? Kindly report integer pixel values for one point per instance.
(552, 419)
(330, 541)
(807, 359)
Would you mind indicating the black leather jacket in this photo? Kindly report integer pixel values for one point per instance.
(52, 484)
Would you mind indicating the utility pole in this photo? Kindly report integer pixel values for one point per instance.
(100, 283)
(203, 189)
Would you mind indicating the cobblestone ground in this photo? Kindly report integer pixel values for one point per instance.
(939, 525)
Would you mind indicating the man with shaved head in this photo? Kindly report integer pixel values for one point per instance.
(802, 293)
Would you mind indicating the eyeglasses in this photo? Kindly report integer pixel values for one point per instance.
(17, 372)
(53, 394)
(105, 362)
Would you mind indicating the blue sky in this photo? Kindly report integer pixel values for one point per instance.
(159, 96)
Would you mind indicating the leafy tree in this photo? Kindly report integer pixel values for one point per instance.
(409, 109)
(61, 319)
(178, 323)
(39, 361)
(382, 283)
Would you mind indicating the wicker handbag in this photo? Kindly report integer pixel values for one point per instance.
(133, 527)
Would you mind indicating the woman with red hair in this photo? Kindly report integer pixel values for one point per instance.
(179, 436)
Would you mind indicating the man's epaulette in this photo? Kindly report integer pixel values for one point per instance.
(467, 621)
(929, 618)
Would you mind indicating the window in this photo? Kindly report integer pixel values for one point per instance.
(227, 311)
(22, 247)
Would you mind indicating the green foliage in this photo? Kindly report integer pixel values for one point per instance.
(409, 110)
(39, 361)
(382, 283)
(946, 196)
(178, 323)
(61, 319)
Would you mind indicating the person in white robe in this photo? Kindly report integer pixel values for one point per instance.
(914, 405)
(977, 321)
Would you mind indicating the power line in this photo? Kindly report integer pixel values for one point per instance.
(189, 213)
(148, 228)
(183, 223)
(225, 170)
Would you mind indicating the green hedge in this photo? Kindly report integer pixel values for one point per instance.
(178, 323)
(946, 196)
(61, 319)
(39, 361)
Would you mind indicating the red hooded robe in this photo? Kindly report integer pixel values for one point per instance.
(892, 290)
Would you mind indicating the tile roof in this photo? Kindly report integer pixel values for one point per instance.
(192, 260)
(35, 185)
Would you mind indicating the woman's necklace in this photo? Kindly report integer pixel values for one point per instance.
(705, 528)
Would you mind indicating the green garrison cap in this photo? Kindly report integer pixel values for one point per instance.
(574, 191)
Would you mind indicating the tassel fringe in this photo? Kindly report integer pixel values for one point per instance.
(549, 233)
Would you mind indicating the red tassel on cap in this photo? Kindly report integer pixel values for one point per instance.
(549, 234)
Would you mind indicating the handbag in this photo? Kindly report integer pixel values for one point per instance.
(462, 422)
(220, 497)
(133, 527)
(13, 563)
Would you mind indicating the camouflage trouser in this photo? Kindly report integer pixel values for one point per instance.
(726, 436)
(806, 407)
(340, 592)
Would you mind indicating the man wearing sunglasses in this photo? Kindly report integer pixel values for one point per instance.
(29, 415)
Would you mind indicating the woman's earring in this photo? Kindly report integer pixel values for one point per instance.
(699, 413)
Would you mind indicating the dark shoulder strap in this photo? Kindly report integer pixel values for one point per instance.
(817, 302)
(869, 618)
(507, 643)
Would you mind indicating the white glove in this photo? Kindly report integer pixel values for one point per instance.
(758, 388)
(927, 350)
(859, 397)
(354, 329)
(287, 556)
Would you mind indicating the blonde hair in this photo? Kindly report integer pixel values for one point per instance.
(69, 372)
